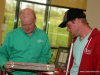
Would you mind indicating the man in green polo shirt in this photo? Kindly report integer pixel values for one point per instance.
(25, 44)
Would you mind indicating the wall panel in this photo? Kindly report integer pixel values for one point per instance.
(2, 9)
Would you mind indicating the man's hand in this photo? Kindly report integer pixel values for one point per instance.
(8, 69)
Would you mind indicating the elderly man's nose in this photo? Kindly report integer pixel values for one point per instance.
(26, 27)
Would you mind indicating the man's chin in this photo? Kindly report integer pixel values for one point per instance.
(27, 32)
(73, 35)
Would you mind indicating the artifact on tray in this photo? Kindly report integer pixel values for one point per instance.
(30, 66)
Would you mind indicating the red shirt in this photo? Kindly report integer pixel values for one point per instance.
(90, 61)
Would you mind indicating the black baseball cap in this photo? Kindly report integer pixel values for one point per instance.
(71, 14)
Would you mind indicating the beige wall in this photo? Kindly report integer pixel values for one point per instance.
(93, 13)
(81, 4)
(2, 8)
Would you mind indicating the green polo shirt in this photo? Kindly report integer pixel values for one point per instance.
(20, 47)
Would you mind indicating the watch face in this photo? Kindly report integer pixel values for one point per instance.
(62, 57)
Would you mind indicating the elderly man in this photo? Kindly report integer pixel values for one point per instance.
(25, 44)
(84, 58)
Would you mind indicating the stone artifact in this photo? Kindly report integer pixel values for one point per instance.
(30, 66)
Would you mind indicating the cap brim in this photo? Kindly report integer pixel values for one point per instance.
(63, 24)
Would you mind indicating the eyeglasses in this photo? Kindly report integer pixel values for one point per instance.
(27, 24)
